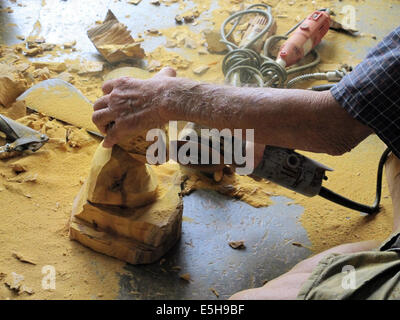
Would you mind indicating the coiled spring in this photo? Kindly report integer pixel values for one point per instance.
(244, 65)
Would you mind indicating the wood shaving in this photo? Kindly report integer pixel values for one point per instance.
(237, 244)
(22, 258)
(215, 292)
(186, 277)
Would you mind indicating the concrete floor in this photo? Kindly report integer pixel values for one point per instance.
(211, 220)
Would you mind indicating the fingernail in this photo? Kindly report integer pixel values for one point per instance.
(106, 145)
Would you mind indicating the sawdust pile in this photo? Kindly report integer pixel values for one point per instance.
(37, 191)
(36, 195)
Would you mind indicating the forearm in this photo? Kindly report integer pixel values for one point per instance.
(297, 119)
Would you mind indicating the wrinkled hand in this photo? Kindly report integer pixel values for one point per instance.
(130, 105)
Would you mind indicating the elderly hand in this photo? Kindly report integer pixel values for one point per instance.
(130, 105)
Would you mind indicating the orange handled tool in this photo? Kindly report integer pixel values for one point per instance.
(304, 38)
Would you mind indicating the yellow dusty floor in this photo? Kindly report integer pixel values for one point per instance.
(36, 192)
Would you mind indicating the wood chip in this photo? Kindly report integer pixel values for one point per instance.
(113, 40)
(202, 51)
(190, 43)
(22, 258)
(48, 46)
(170, 44)
(186, 277)
(214, 44)
(15, 283)
(66, 76)
(52, 66)
(300, 245)
(69, 45)
(237, 244)
(215, 292)
(90, 67)
(154, 65)
(190, 16)
(178, 19)
(201, 70)
(18, 168)
(33, 52)
(153, 32)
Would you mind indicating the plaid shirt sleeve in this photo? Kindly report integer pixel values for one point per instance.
(371, 92)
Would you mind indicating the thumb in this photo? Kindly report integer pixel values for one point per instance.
(166, 72)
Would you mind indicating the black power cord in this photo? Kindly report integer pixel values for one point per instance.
(334, 197)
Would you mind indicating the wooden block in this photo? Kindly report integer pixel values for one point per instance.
(149, 224)
(136, 235)
(114, 41)
(125, 249)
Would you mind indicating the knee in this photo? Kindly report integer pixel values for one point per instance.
(265, 293)
(250, 294)
(239, 296)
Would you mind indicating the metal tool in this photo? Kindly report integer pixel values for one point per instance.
(20, 138)
(70, 102)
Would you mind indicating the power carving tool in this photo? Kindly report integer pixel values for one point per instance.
(305, 38)
(303, 175)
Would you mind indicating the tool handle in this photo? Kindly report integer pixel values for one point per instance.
(291, 170)
(305, 38)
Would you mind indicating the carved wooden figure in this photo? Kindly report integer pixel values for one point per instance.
(127, 209)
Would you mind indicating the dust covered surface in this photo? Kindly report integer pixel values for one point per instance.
(37, 190)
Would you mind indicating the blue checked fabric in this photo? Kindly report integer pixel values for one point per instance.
(371, 92)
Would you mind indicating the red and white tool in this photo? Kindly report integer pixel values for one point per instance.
(305, 38)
